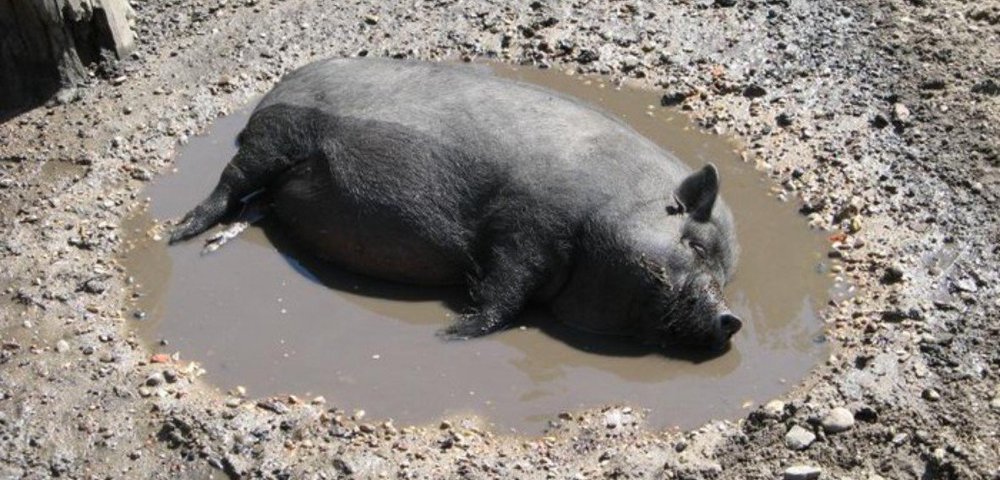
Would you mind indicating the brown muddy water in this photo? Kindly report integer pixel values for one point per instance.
(259, 314)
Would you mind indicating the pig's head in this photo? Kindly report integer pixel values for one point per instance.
(683, 268)
(659, 276)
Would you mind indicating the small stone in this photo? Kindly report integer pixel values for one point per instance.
(170, 376)
(838, 420)
(160, 358)
(145, 391)
(67, 95)
(673, 98)
(785, 119)
(233, 402)
(802, 472)
(318, 400)
(893, 274)
(725, 3)
(900, 113)
(274, 406)
(933, 84)
(966, 285)
(88, 350)
(154, 379)
(855, 225)
(799, 438)
(754, 91)
(774, 408)
(62, 346)
(371, 19)
(987, 87)
(588, 56)
(879, 121)
(931, 395)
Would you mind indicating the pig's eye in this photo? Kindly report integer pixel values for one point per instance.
(698, 248)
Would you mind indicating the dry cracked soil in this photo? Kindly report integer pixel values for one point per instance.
(879, 118)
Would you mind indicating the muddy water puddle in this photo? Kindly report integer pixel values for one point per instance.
(260, 314)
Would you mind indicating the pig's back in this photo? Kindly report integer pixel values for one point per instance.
(546, 139)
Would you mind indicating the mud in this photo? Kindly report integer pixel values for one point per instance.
(262, 315)
(881, 117)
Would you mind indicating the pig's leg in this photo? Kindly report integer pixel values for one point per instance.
(513, 272)
(250, 170)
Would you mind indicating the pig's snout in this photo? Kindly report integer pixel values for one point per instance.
(729, 324)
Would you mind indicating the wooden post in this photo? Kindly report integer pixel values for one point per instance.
(45, 45)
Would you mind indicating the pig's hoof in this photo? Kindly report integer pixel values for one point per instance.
(184, 229)
(469, 326)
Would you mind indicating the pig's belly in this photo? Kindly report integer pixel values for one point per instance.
(371, 241)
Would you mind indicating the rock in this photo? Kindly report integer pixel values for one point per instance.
(154, 379)
(838, 420)
(987, 87)
(725, 3)
(62, 346)
(629, 62)
(931, 395)
(799, 438)
(371, 19)
(67, 95)
(274, 406)
(95, 285)
(879, 121)
(901, 113)
(160, 358)
(588, 56)
(893, 274)
(966, 285)
(170, 375)
(754, 91)
(933, 84)
(785, 119)
(673, 98)
(774, 408)
(802, 472)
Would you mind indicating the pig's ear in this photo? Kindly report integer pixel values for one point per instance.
(698, 191)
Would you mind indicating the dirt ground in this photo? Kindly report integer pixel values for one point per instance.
(881, 117)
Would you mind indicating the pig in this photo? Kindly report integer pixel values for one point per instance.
(441, 174)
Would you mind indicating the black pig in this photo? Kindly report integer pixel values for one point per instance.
(440, 174)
